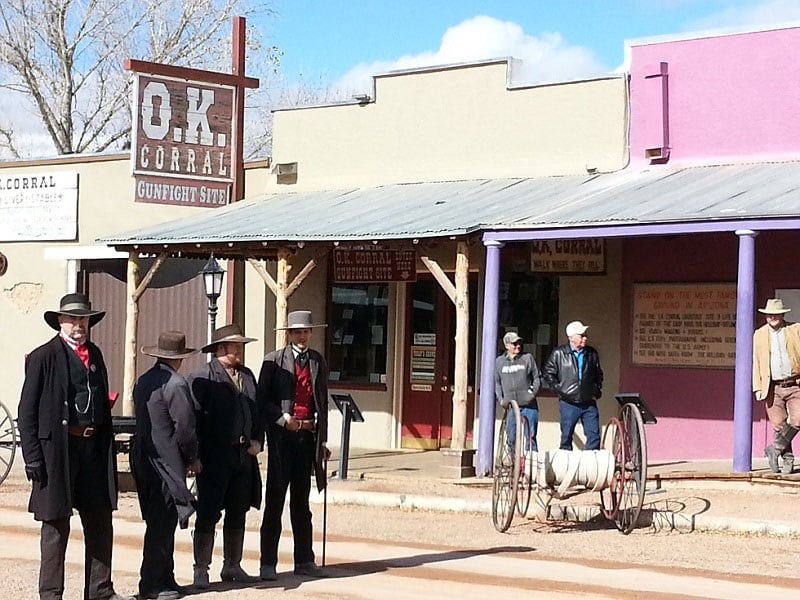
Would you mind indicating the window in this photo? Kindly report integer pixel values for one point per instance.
(359, 315)
(529, 305)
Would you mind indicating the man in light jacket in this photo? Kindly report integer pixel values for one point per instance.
(776, 380)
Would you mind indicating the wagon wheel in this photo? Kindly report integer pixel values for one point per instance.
(542, 493)
(506, 472)
(611, 496)
(635, 468)
(8, 442)
(527, 465)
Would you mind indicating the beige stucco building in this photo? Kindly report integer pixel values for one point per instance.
(397, 172)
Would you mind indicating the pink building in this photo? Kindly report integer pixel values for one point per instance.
(714, 99)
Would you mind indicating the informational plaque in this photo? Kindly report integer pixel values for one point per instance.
(684, 324)
(423, 363)
(569, 257)
(373, 265)
(38, 206)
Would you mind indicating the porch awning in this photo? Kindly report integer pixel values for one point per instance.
(761, 191)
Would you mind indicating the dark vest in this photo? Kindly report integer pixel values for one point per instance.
(85, 392)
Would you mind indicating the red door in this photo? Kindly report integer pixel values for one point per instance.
(428, 374)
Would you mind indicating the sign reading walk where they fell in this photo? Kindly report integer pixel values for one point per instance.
(182, 141)
(569, 257)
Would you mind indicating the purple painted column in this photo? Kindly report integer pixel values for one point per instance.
(486, 411)
(743, 381)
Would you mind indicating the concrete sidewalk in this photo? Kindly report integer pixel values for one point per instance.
(680, 496)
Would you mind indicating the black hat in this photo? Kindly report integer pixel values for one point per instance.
(227, 333)
(171, 344)
(76, 305)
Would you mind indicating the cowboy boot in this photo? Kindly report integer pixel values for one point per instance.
(783, 441)
(203, 549)
(232, 544)
(787, 466)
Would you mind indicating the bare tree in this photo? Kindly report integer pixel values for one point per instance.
(63, 60)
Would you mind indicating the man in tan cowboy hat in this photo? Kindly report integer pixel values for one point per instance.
(230, 439)
(163, 453)
(292, 401)
(67, 444)
(776, 379)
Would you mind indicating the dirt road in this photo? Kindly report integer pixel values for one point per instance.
(382, 553)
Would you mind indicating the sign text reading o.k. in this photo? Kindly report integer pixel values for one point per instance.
(183, 132)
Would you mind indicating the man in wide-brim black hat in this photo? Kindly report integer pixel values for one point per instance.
(67, 444)
(292, 401)
(164, 452)
(230, 439)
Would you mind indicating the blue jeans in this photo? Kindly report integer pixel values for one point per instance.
(589, 417)
(526, 412)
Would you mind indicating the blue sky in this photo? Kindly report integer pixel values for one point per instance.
(341, 43)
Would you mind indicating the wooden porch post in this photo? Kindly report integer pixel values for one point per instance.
(460, 374)
(131, 322)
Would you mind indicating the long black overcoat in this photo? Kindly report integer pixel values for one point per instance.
(218, 399)
(275, 396)
(43, 419)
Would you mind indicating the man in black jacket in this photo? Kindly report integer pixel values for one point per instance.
(293, 403)
(230, 439)
(573, 371)
(164, 452)
(67, 444)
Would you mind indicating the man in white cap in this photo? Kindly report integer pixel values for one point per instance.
(776, 375)
(573, 371)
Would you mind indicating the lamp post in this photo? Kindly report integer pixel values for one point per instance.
(212, 281)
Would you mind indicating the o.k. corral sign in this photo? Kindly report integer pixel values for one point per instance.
(182, 143)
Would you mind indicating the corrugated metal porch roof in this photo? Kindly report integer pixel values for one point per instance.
(452, 208)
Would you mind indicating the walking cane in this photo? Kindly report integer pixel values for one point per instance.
(324, 510)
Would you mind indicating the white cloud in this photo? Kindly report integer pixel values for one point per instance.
(751, 15)
(544, 58)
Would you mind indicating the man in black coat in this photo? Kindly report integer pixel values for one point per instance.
(573, 371)
(67, 444)
(292, 401)
(163, 453)
(230, 438)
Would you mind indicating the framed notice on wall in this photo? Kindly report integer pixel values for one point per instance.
(684, 325)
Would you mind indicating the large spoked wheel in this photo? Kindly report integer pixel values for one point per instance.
(611, 497)
(526, 472)
(635, 468)
(8, 442)
(506, 472)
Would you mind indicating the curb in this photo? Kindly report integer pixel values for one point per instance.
(659, 520)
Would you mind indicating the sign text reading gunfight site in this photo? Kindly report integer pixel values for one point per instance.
(353, 266)
(182, 146)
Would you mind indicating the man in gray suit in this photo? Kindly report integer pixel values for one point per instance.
(164, 452)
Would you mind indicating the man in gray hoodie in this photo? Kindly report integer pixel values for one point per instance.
(516, 377)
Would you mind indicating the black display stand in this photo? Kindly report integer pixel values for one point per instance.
(647, 415)
(350, 412)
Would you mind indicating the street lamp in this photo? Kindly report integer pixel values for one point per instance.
(212, 281)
